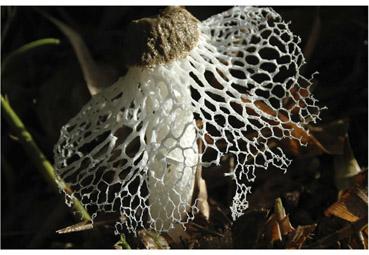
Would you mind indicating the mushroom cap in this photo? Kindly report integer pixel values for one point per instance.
(160, 39)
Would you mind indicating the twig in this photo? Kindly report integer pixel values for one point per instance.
(36, 155)
(86, 225)
(81, 226)
(344, 232)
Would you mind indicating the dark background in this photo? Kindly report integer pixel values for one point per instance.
(46, 88)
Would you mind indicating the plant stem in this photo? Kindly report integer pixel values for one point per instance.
(27, 47)
(36, 155)
(122, 243)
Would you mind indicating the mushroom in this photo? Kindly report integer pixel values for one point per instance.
(231, 82)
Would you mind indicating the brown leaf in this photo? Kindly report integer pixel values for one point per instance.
(340, 210)
(282, 219)
(278, 225)
(328, 138)
(346, 167)
(276, 234)
(301, 234)
(279, 210)
(292, 145)
(286, 226)
(351, 206)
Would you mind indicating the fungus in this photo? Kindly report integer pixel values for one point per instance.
(231, 82)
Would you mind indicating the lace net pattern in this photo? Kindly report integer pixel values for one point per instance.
(133, 148)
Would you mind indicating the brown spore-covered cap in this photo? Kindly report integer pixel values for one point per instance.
(158, 40)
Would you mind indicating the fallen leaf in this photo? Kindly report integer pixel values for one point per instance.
(340, 210)
(346, 167)
(301, 234)
(278, 224)
(286, 226)
(276, 234)
(352, 205)
(293, 145)
(282, 219)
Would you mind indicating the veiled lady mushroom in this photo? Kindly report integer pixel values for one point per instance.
(133, 148)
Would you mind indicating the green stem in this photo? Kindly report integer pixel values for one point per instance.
(27, 47)
(123, 242)
(36, 155)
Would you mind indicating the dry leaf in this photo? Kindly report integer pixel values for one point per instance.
(301, 234)
(282, 219)
(351, 206)
(292, 145)
(286, 226)
(278, 224)
(346, 167)
(340, 210)
(276, 234)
